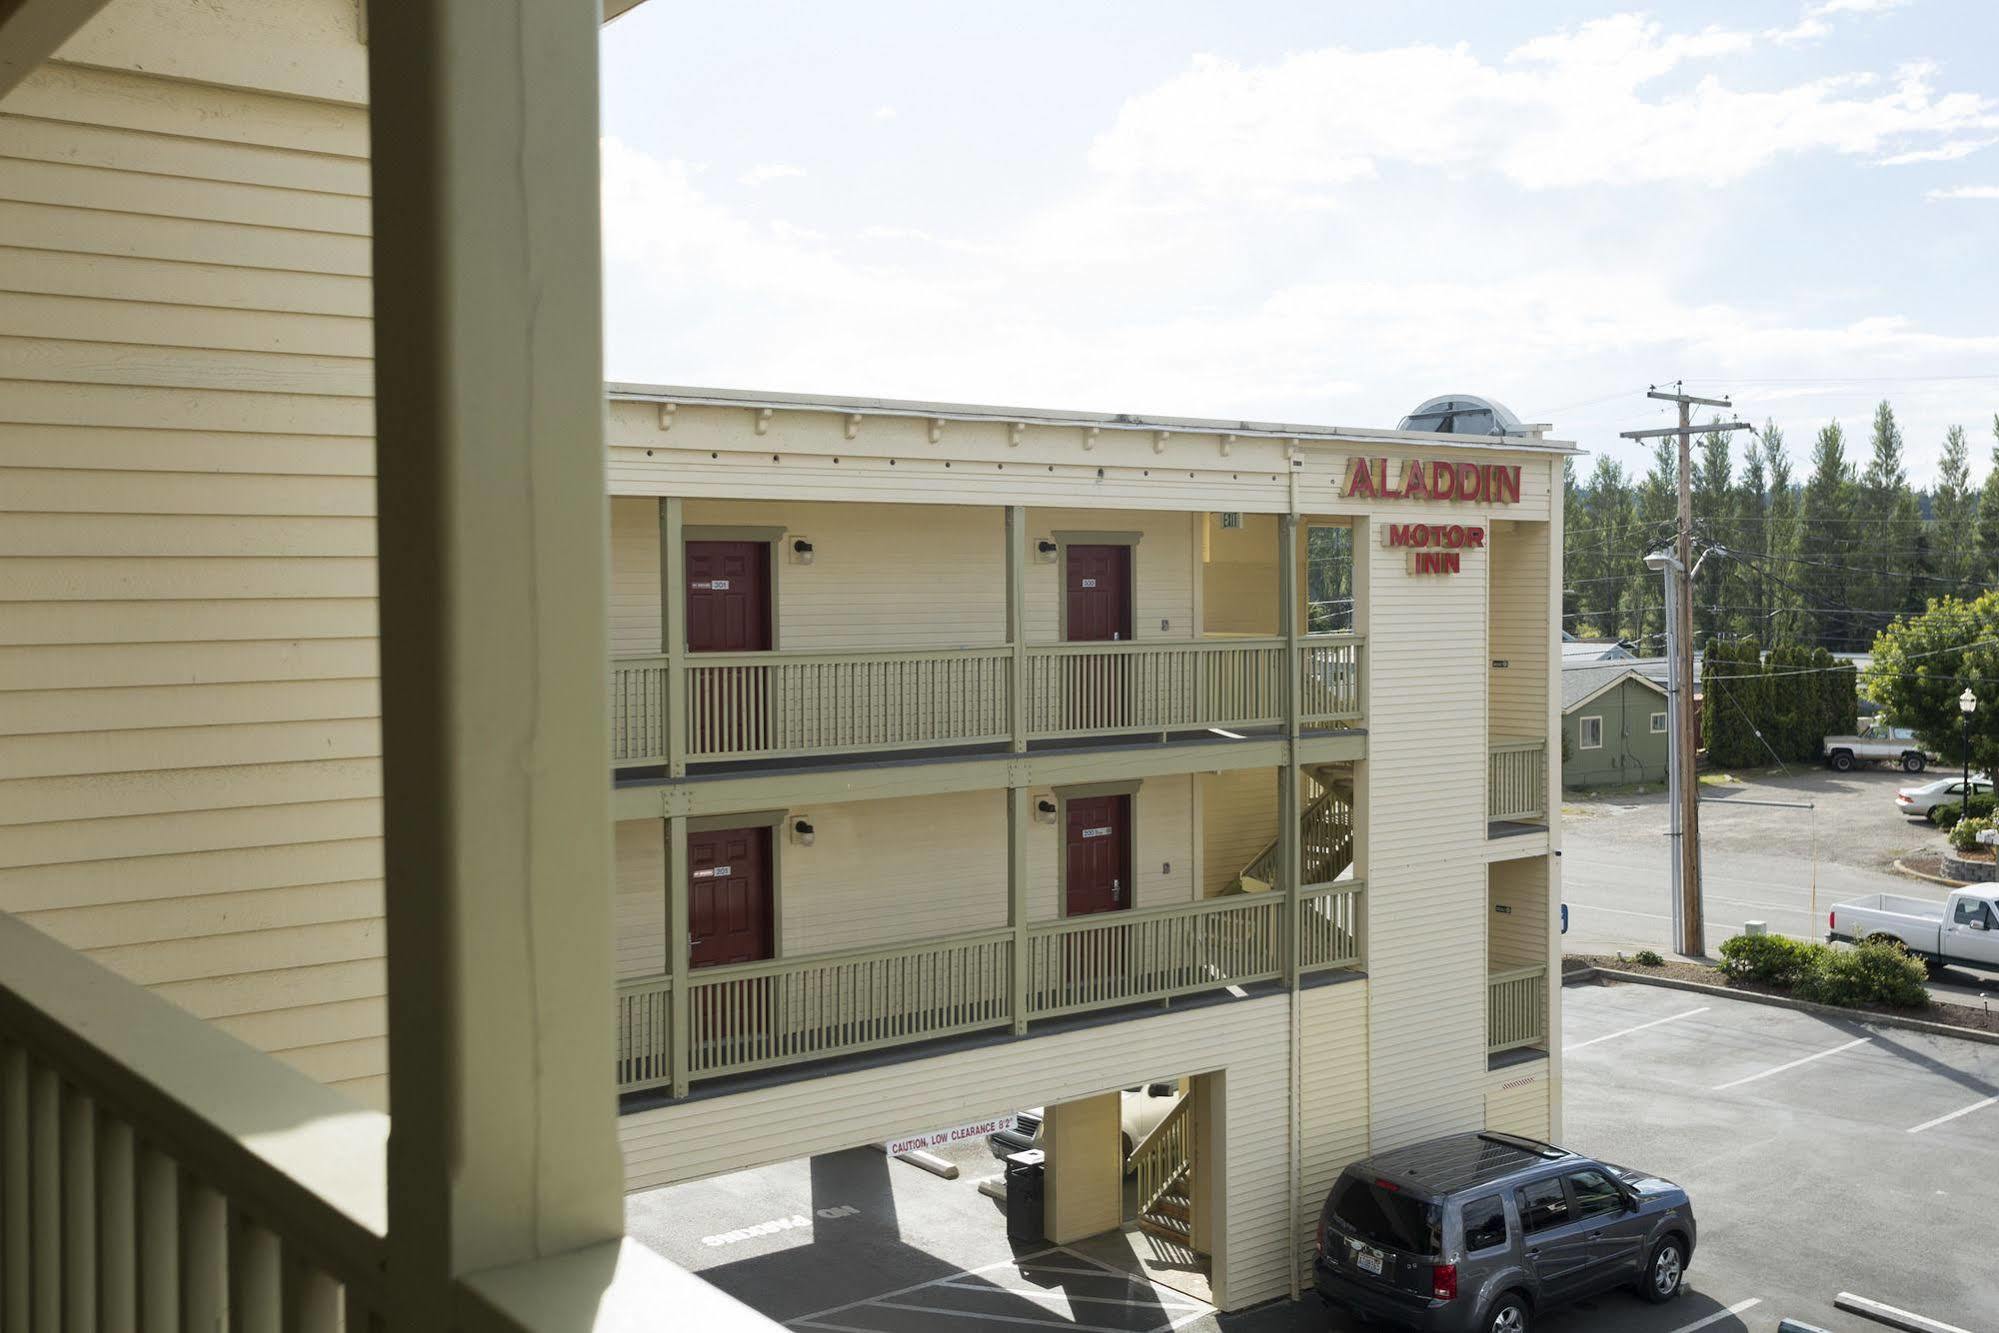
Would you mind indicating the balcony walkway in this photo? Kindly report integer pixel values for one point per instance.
(757, 1016)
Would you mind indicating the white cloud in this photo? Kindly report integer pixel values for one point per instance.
(766, 172)
(1333, 236)
(885, 113)
(1573, 108)
(1966, 192)
(1949, 151)
(1813, 25)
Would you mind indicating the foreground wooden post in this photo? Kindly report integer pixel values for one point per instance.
(490, 414)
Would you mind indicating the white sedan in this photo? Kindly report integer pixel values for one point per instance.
(1917, 802)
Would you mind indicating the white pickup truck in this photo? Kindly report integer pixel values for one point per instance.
(1962, 929)
(1877, 741)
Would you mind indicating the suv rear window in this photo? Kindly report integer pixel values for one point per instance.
(1379, 1213)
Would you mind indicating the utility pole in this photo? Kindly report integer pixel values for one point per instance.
(1689, 935)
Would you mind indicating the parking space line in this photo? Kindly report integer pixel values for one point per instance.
(1966, 1110)
(1884, 1313)
(1608, 1036)
(1045, 1294)
(1804, 1060)
(918, 1286)
(1002, 1318)
(1182, 1321)
(1720, 1315)
(830, 1328)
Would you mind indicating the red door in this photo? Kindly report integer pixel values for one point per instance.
(1098, 869)
(729, 907)
(728, 597)
(728, 611)
(1099, 593)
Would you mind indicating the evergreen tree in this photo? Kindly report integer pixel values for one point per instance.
(1955, 534)
(1781, 540)
(1572, 539)
(1658, 523)
(1887, 543)
(1714, 525)
(1606, 551)
(1752, 543)
(1988, 516)
(1825, 518)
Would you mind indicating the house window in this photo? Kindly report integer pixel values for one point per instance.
(1658, 724)
(1591, 733)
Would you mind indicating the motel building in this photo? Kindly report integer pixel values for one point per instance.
(374, 922)
(971, 759)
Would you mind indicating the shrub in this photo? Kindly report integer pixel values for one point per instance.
(1648, 958)
(1776, 959)
(1964, 833)
(1943, 816)
(1874, 972)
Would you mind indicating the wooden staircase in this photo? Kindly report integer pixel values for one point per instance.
(1326, 838)
(1163, 1165)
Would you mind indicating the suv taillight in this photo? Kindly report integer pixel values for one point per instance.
(1831, 922)
(1444, 1282)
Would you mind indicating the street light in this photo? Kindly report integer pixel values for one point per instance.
(1967, 704)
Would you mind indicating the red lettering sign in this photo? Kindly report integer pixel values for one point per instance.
(1434, 548)
(1434, 479)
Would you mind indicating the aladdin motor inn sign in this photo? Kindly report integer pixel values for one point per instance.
(1434, 548)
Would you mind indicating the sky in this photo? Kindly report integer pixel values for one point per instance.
(1317, 212)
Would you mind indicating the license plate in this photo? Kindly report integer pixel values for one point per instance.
(1367, 1260)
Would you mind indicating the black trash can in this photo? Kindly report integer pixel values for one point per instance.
(1024, 1171)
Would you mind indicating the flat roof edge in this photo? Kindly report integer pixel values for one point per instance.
(905, 407)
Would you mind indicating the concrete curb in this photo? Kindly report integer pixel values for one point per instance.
(1892, 1317)
(1786, 1002)
(1913, 873)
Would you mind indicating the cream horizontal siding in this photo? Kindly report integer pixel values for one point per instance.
(1245, 1040)
(1517, 1099)
(1521, 615)
(1333, 1101)
(1238, 820)
(1424, 805)
(880, 873)
(1518, 937)
(189, 737)
(635, 571)
(640, 910)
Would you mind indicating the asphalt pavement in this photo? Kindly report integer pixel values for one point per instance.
(1822, 1156)
(1776, 863)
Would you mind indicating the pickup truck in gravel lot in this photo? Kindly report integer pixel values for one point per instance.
(1962, 929)
(1877, 742)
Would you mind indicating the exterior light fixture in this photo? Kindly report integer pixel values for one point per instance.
(1045, 550)
(802, 832)
(801, 551)
(1044, 811)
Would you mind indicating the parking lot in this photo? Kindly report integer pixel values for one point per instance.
(1822, 1157)
(1759, 862)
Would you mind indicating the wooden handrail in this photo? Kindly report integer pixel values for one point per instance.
(303, 1162)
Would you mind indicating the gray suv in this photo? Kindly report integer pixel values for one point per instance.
(1478, 1233)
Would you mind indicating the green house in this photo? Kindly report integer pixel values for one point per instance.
(1613, 726)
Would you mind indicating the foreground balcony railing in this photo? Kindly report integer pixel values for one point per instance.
(1516, 1008)
(791, 705)
(158, 1173)
(785, 1011)
(1516, 784)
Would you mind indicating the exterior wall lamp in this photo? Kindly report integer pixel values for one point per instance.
(1044, 812)
(1045, 550)
(801, 551)
(802, 832)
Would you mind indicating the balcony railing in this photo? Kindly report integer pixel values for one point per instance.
(786, 1011)
(786, 705)
(168, 1175)
(1516, 1008)
(1516, 784)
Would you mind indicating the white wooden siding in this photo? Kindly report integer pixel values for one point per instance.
(1520, 630)
(1517, 1099)
(189, 744)
(1333, 1099)
(1244, 1040)
(1424, 808)
(635, 576)
(640, 916)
